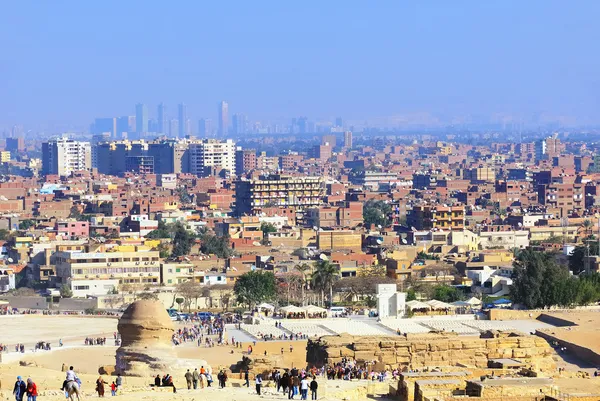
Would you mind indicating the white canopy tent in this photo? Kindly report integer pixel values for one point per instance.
(314, 309)
(417, 305)
(474, 301)
(265, 305)
(439, 305)
(291, 309)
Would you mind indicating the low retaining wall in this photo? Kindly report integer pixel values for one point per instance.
(580, 352)
(555, 320)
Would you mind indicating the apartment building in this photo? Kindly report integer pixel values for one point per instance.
(372, 179)
(117, 157)
(245, 160)
(210, 154)
(298, 193)
(428, 217)
(64, 156)
(568, 198)
(98, 273)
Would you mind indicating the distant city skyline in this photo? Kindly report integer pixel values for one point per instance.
(394, 64)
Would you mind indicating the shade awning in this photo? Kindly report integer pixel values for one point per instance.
(265, 305)
(291, 309)
(473, 301)
(435, 304)
(314, 309)
(417, 305)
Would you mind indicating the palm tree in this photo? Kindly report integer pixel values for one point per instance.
(587, 224)
(324, 276)
(302, 269)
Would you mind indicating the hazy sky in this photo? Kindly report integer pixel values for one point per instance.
(70, 61)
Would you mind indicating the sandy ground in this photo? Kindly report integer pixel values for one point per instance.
(29, 329)
(585, 332)
(87, 359)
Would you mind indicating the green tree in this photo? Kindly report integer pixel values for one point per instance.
(179, 301)
(184, 196)
(324, 276)
(161, 232)
(411, 295)
(163, 250)
(587, 225)
(182, 241)
(75, 212)
(267, 228)
(302, 269)
(377, 212)
(446, 293)
(528, 274)
(26, 224)
(538, 282)
(213, 245)
(255, 287)
(4, 234)
(65, 291)
(576, 258)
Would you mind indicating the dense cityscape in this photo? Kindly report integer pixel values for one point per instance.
(384, 201)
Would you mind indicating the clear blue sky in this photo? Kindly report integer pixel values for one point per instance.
(69, 61)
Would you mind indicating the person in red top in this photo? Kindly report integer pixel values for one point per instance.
(31, 390)
(113, 389)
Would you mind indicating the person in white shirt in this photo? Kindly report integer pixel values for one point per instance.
(304, 388)
(258, 382)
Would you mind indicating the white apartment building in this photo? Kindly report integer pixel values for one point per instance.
(212, 153)
(63, 156)
(98, 273)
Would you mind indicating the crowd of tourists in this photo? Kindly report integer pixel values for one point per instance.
(202, 333)
(95, 341)
(203, 378)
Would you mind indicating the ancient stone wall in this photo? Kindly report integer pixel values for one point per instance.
(431, 351)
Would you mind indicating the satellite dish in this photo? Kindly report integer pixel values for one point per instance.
(256, 243)
(379, 241)
(323, 257)
(10, 260)
(404, 241)
(379, 226)
(315, 228)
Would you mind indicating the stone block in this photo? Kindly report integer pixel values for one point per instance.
(364, 356)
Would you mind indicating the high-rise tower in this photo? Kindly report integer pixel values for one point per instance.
(182, 120)
(223, 119)
(141, 118)
(161, 118)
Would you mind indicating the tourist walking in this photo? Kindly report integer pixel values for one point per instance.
(313, 388)
(258, 383)
(195, 377)
(188, 379)
(31, 390)
(119, 382)
(20, 389)
(304, 388)
(296, 384)
(100, 386)
(247, 378)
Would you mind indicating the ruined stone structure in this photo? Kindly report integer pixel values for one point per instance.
(432, 350)
(146, 340)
